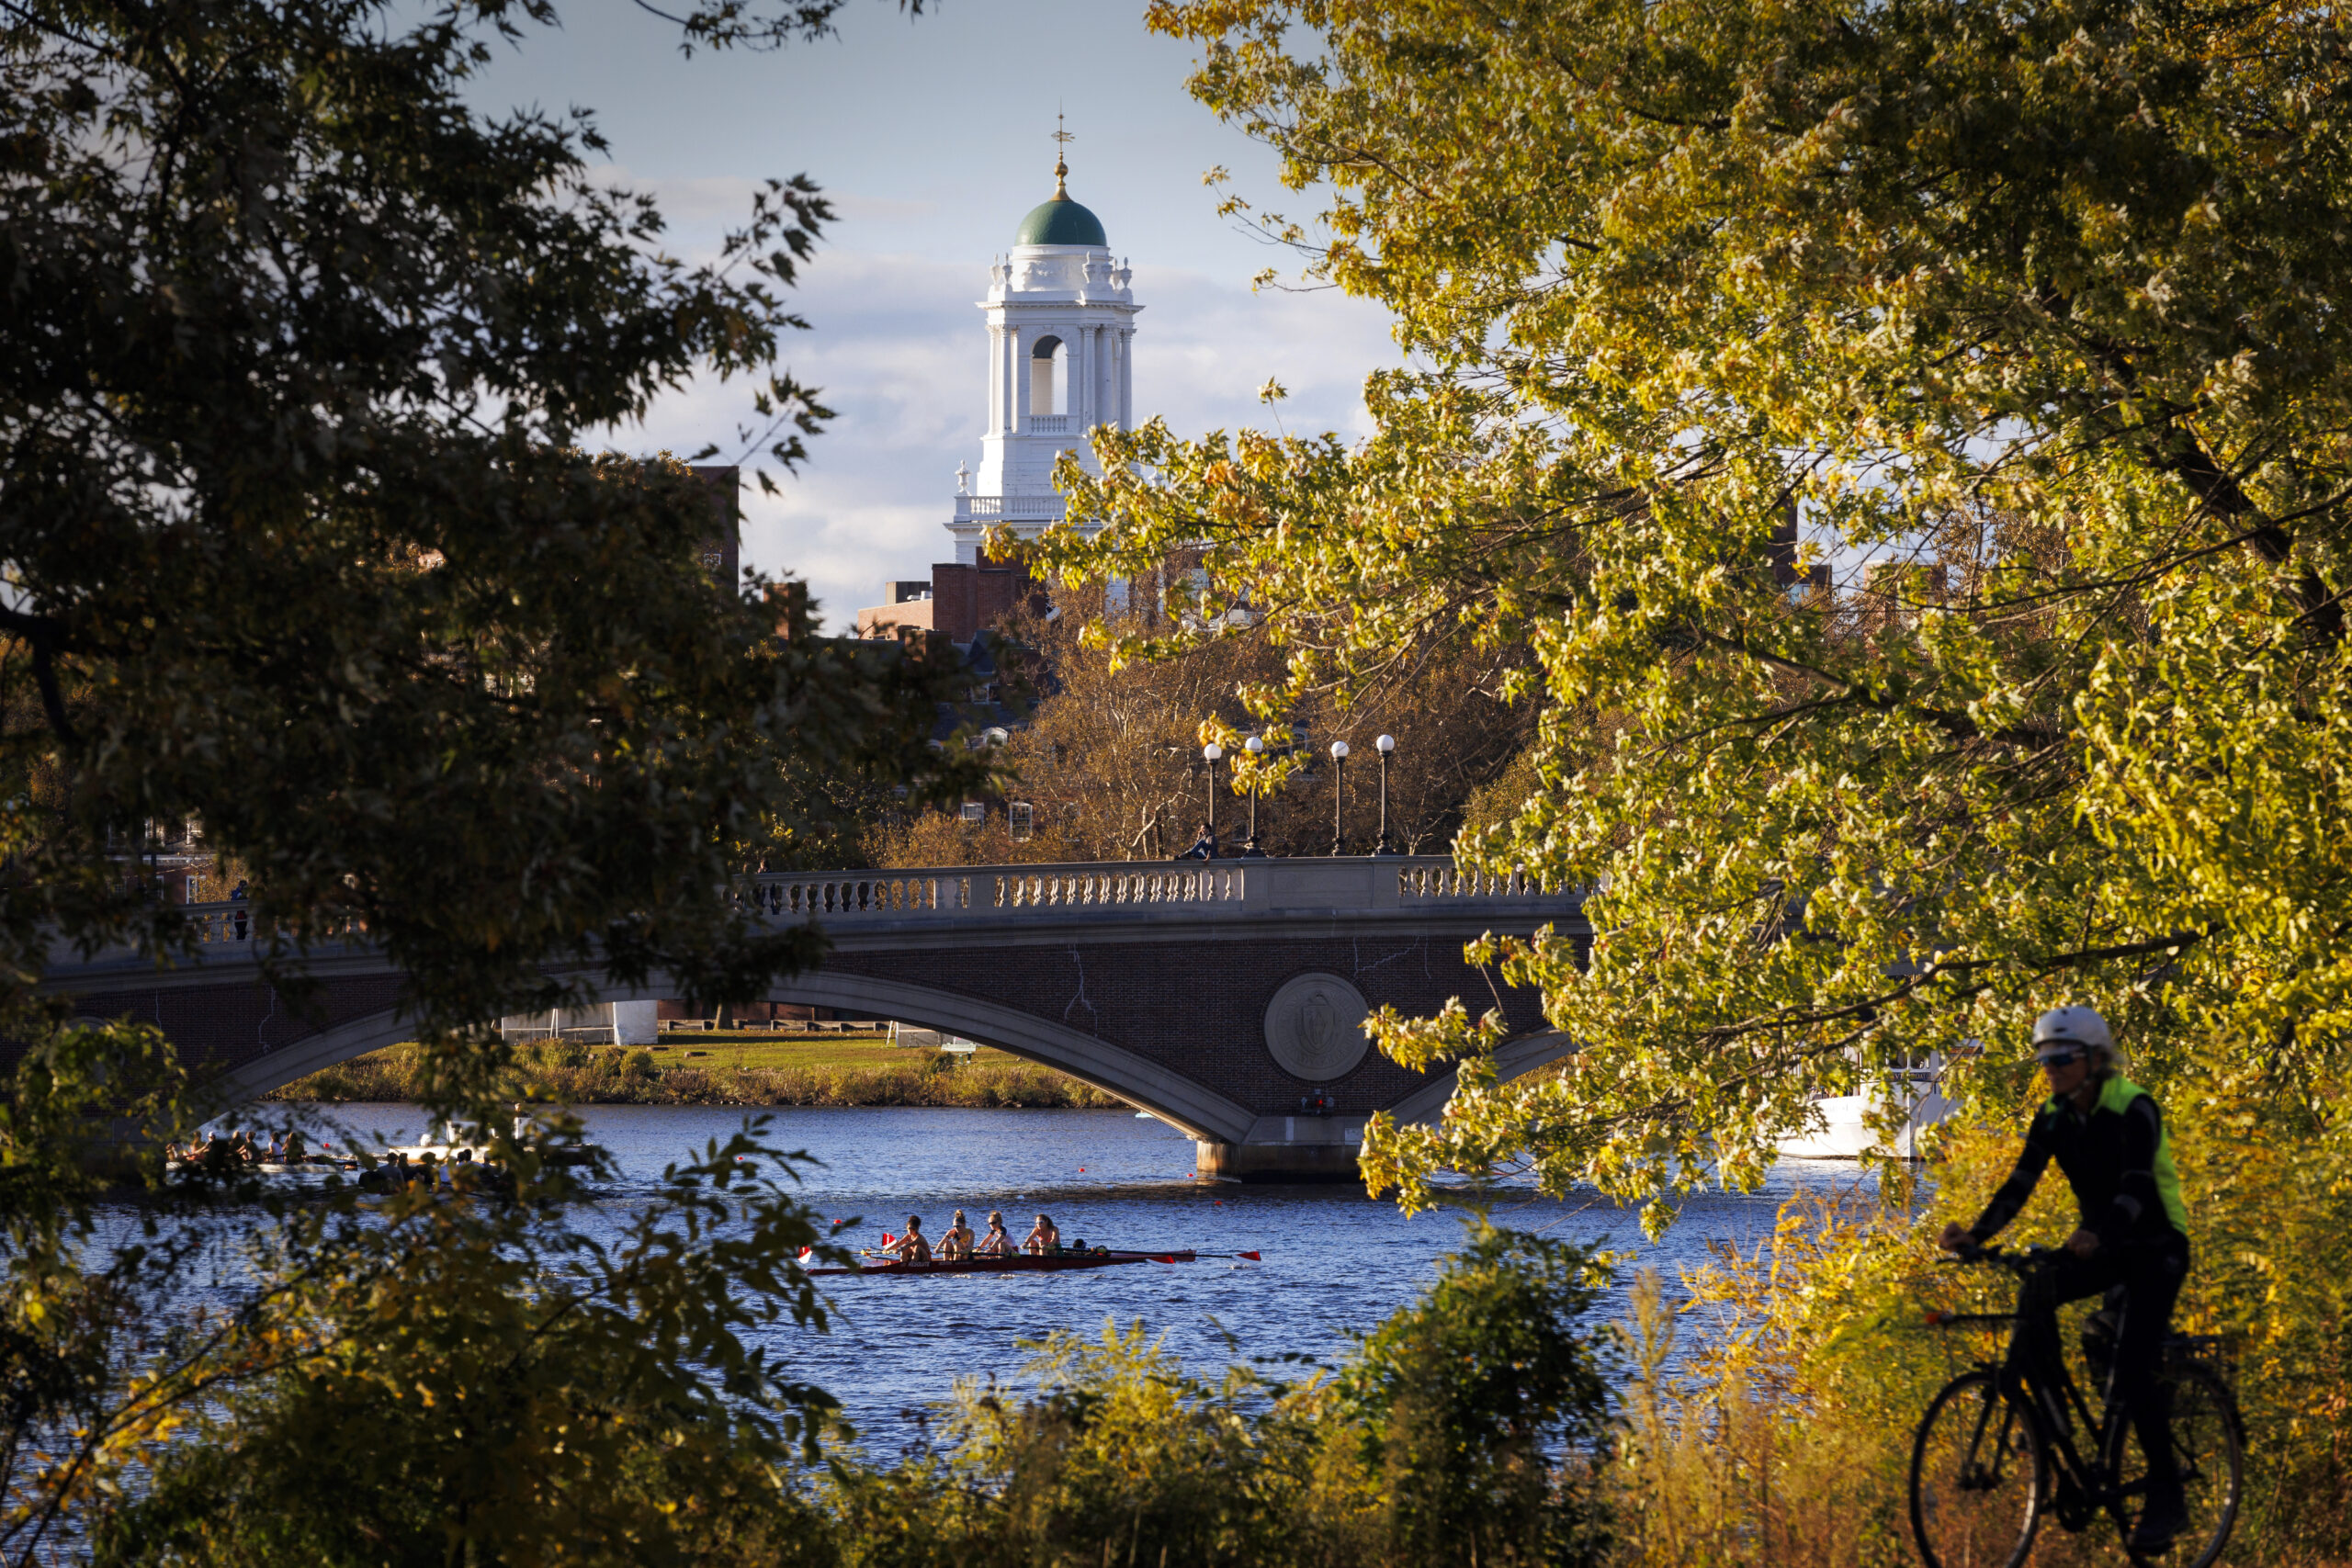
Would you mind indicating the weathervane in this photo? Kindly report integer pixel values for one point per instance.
(1062, 138)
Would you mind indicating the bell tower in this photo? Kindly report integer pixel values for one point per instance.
(1061, 323)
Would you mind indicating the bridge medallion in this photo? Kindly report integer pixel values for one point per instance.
(1315, 1027)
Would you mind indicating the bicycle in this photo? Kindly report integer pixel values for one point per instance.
(1992, 1457)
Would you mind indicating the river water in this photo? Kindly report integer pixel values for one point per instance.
(1335, 1262)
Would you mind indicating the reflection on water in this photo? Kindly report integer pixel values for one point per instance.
(1336, 1261)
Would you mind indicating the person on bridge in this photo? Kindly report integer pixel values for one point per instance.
(1203, 845)
(1042, 1237)
(956, 1245)
(912, 1248)
(997, 1243)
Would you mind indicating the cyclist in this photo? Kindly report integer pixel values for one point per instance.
(2107, 1135)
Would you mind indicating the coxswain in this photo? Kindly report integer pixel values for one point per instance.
(912, 1248)
(996, 1243)
(1042, 1238)
(957, 1243)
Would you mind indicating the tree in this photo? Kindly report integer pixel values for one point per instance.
(300, 541)
(1110, 764)
(441, 1377)
(298, 538)
(1485, 1406)
(2028, 313)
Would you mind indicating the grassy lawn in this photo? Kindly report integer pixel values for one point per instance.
(747, 1049)
(738, 1068)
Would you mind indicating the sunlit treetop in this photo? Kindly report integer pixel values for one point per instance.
(2028, 314)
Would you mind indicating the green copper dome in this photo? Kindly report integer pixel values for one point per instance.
(1060, 221)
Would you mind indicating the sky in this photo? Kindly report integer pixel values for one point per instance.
(933, 136)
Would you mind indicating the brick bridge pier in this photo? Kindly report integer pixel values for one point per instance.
(1224, 997)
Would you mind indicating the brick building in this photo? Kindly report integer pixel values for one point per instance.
(957, 601)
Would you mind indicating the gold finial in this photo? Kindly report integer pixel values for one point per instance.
(1061, 169)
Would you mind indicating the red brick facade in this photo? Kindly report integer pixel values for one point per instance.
(963, 601)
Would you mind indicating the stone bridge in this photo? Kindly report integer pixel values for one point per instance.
(1224, 997)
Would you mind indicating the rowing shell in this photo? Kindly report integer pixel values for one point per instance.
(1022, 1263)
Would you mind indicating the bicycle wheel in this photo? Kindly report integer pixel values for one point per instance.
(1979, 1471)
(2210, 1447)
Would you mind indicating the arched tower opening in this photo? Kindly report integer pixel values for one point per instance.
(1048, 373)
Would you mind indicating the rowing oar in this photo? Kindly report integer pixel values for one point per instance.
(1132, 1252)
(867, 1251)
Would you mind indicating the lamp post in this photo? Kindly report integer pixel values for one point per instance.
(1253, 850)
(1386, 744)
(1210, 753)
(1339, 798)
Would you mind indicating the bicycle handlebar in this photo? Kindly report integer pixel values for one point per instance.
(2016, 1260)
(2021, 1261)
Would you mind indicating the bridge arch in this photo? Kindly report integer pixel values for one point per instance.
(1199, 1112)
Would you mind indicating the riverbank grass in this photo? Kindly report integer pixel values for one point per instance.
(730, 1068)
(743, 1050)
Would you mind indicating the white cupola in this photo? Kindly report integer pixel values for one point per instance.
(1061, 323)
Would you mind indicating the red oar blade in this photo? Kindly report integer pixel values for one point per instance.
(1251, 1255)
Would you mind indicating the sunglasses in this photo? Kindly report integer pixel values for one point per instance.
(2055, 1059)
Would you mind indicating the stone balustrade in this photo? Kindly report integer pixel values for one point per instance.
(983, 894)
(1237, 888)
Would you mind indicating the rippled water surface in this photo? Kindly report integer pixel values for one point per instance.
(1335, 1262)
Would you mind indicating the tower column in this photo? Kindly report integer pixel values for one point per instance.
(1021, 409)
(1126, 379)
(1003, 368)
(1102, 363)
(996, 378)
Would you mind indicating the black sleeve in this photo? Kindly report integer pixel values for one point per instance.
(2032, 1161)
(2136, 1184)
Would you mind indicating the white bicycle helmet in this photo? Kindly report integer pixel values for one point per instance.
(2079, 1026)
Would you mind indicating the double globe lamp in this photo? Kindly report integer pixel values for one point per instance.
(1214, 753)
(1384, 745)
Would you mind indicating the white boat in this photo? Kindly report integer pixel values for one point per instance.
(439, 1147)
(1844, 1132)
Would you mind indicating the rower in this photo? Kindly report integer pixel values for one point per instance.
(957, 1243)
(1042, 1237)
(912, 1248)
(996, 1243)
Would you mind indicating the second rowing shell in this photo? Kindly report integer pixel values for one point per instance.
(1024, 1263)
